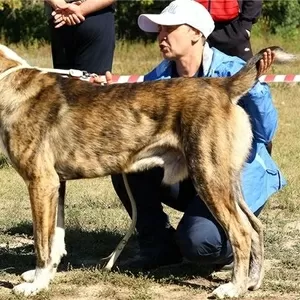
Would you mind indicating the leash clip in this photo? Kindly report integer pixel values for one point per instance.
(78, 73)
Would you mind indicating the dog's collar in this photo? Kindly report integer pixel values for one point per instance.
(14, 69)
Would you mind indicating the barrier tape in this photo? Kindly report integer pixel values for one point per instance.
(288, 78)
(280, 78)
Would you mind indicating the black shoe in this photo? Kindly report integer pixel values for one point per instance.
(153, 261)
(156, 251)
(227, 267)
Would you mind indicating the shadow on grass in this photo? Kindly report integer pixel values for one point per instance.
(185, 274)
(85, 249)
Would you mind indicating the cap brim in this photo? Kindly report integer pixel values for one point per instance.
(150, 22)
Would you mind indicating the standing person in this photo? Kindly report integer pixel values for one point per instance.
(183, 28)
(233, 23)
(82, 34)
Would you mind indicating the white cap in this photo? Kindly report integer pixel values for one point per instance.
(179, 12)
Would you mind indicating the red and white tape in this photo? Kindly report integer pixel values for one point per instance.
(280, 78)
(288, 78)
(127, 78)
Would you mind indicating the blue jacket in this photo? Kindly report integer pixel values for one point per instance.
(261, 176)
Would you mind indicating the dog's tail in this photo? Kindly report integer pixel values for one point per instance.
(240, 83)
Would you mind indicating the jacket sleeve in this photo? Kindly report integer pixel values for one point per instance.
(161, 71)
(250, 10)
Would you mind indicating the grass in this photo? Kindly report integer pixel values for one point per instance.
(95, 220)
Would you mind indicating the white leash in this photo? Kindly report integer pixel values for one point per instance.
(14, 69)
(72, 72)
(111, 259)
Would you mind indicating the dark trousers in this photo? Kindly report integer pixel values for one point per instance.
(88, 46)
(198, 235)
(232, 39)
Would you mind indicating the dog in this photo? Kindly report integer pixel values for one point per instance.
(54, 129)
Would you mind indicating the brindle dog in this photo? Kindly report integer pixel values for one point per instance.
(55, 129)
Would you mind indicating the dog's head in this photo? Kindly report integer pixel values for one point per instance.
(9, 59)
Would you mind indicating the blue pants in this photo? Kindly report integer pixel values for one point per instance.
(199, 236)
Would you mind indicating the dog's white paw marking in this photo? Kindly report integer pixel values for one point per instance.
(58, 247)
(40, 278)
(227, 290)
(28, 276)
(28, 289)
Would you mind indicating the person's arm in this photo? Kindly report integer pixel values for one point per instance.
(250, 10)
(90, 6)
(75, 12)
(55, 3)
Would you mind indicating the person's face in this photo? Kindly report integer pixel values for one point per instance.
(176, 41)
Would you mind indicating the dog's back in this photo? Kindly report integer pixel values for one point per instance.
(120, 128)
(128, 122)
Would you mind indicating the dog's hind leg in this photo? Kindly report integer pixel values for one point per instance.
(215, 190)
(43, 191)
(58, 248)
(256, 271)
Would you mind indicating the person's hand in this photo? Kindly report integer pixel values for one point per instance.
(104, 79)
(265, 62)
(69, 14)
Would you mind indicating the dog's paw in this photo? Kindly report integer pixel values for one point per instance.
(28, 289)
(28, 276)
(227, 290)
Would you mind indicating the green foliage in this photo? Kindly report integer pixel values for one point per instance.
(11, 3)
(282, 17)
(25, 20)
(26, 24)
(127, 13)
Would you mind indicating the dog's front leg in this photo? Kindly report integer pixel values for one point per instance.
(58, 248)
(44, 197)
